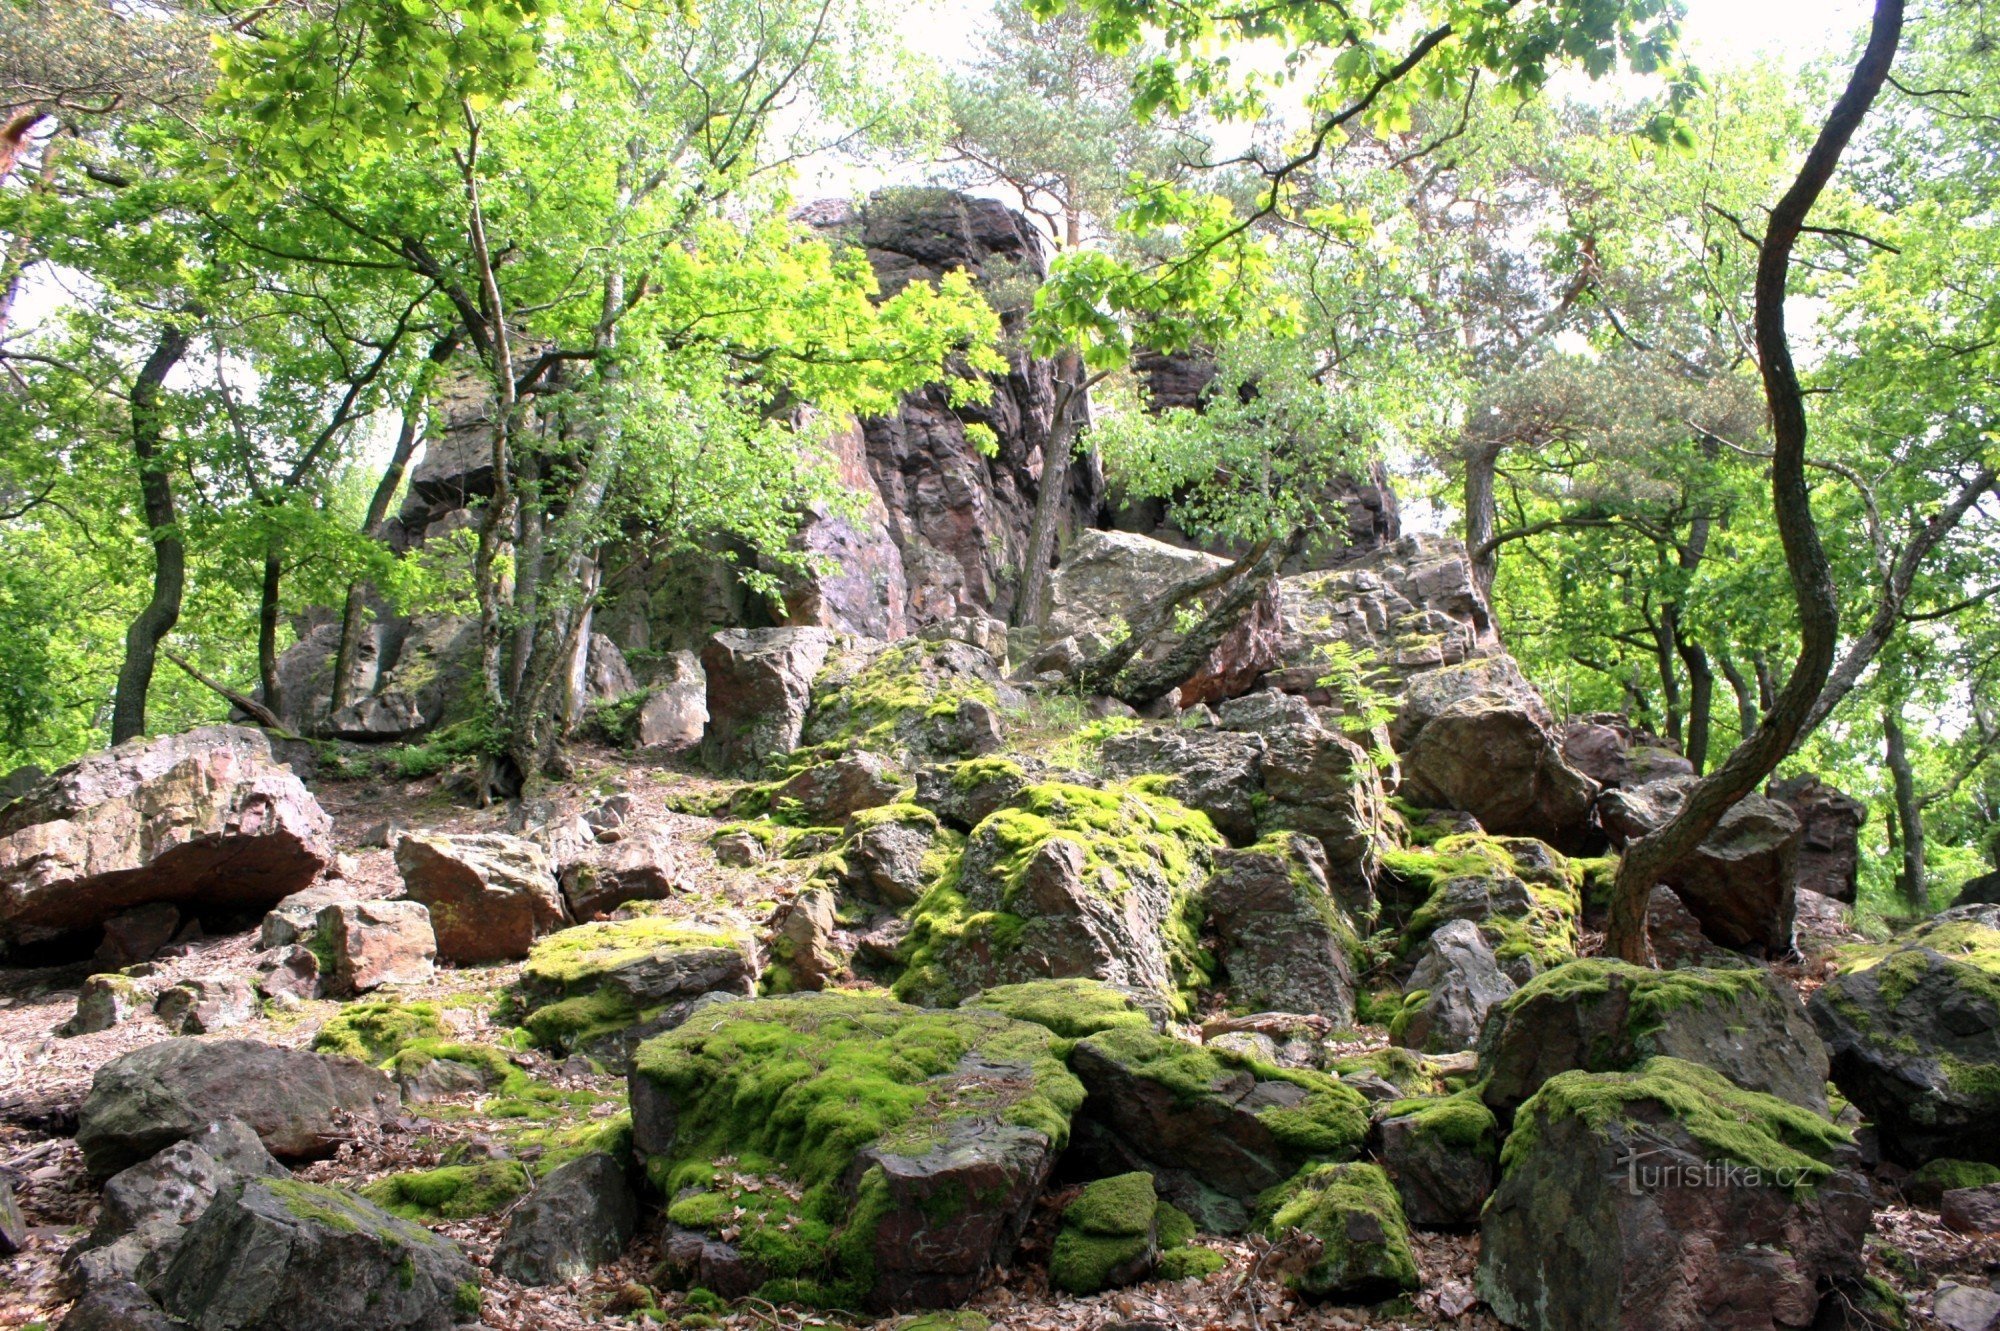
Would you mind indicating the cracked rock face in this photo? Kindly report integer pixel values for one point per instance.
(207, 817)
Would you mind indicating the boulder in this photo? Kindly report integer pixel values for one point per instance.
(1109, 1236)
(928, 1134)
(1668, 1199)
(1441, 1154)
(892, 853)
(490, 896)
(1455, 983)
(1326, 786)
(759, 685)
(809, 949)
(641, 867)
(281, 1255)
(1495, 758)
(1981, 891)
(1959, 1307)
(139, 934)
(1604, 1016)
(1741, 882)
(110, 1000)
(1364, 1241)
(1264, 711)
(293, 919)
(580, 1216)
(373, 943)
(1215, 1129)
(147, 1208)
(599, 989)
(207, 817)
(287, 973)
(1282, 941)
(675, 712)
(1971, 1210)
(965, 794)
(832, 792)
(1676, 935)
(301, 1105)
(1914, 1034)
(1108, 575)
(1830, 847)
(205, 1004)
(915, 701)
(118, 1306)
(1218, 772)
(1523, 896)
(1065, 881)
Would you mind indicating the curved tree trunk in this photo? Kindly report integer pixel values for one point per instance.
(1908, 824)
(1071, 413)
(1482, 516)
(156, 494)
(1805, 559)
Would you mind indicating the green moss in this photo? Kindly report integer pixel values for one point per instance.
(1941, 1176)
(789, 1090)
(467, 1300)
(1354, 1212)
(901, 812)
(1109, 1225)
(576, 958)
(1189, 1263)
(1120, 1205)
(1460, 1121)
(1083, 1263)
(1747, 1127)
(944, 1321)
(1973, 945)
(1330, 1122)
(452, 1192)
(573, 1023)
(1125, 831)
(375, 1031)
(342, 1212)
(1650, 996)
(976, 772)
(1173, 1225)
(1071, 1008)
(1401, 1068)
(902, 686)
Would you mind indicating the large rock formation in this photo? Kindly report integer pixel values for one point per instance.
(1830, 852)
(206, 819)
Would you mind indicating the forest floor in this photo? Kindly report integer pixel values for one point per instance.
(44, 1077)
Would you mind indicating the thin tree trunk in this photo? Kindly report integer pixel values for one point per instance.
(1805, 559)
(1482, 516)
(1746, 696)
(1670, 678)
(156, 495)
(1701, 700)
(268, 615)
(1072, 398)
(1909, 821)
(391, 481)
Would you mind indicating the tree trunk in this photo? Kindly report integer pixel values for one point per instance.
(156, 495)
(1701, 699)
(1746, 696)
(267, 624)
(1670, 678)
(378, 512)
(1482, 516)
(1908, 826)
(1805, 559)
(1071, 412)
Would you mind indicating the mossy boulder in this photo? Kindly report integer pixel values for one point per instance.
(1915, 1040)
(1931, 1182)
(1660, 1197)
(917, 699)
(579, 1217)
(962, 795)
(1067, 881)
(1214, 1127)
(892, 854)
(1523, 896)
(1109, 1236)
(856, 1151)
(282, 1255)
(600, 988)
(1072, 1009)
(1364, 1241)
(372, 1031)
(1600, 1015)
(1441, 1154)
(1220, 772)
(1282, 940)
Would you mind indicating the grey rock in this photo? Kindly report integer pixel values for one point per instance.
(1284, 942)
(206, 1004)
(117, 1306)
(1966, 1307)
(759, 687)
(110, 1000)
(1495, 758)
(1217, 772)
(832, 792)
(580, 1216)
(1461, 983)
(301, 1105)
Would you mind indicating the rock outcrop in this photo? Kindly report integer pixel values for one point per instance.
(490, 896)
(1830, 850)
(206, 819)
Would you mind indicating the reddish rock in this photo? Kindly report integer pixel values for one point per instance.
(1830, 849)
(604, 877)
(206, 819)
(1494, 758)
(1971, 1210)
(138, 934)
(831, 792)
(490, 897)
(373, 943)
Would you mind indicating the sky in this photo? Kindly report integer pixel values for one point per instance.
(1730, 30)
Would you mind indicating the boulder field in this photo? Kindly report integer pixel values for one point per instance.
(917, 981)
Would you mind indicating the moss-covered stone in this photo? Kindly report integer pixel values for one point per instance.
(1353, 1211)
(1601, 1015)
(452, 1192)
(812, 1099)
(375, 1031)
(1524, 897)
(1441, 1153)
(1108, 1237)
(1070, 1008)
(1938, 1177)
(599, 988)
(905, 699)
(1067, 881)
